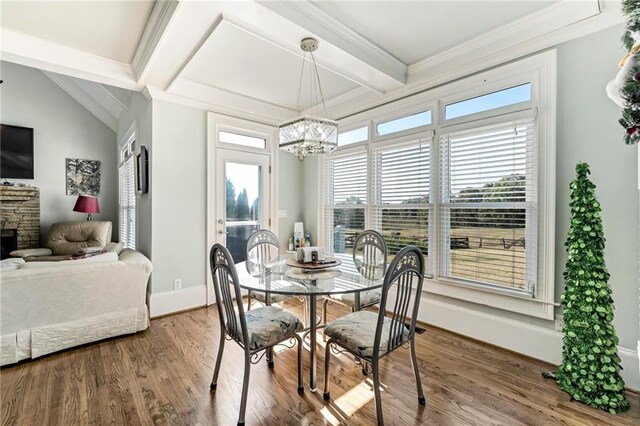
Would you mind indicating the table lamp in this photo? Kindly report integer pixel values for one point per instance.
(87, 204)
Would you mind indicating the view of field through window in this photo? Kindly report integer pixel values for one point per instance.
(485, 199)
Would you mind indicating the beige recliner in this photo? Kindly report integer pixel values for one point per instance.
(67, 238)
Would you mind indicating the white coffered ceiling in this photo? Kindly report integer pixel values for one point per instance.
(100, 28)
(243, 57)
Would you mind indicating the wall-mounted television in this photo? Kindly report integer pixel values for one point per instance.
(16, 152)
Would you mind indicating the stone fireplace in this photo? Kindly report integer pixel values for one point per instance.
(20, 217)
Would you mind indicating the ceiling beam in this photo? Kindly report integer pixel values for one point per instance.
(308, 16)
(154, 30)
(35, 52)
(549, 27)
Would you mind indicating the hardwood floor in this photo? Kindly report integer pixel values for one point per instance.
(162, 376)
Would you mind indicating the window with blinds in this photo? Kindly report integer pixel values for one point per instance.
(402, 206)
(488, 205)
(346, 183)
(127, 203)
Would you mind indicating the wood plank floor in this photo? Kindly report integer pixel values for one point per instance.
(162, 376)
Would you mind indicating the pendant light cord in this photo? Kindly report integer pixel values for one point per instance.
(315, 67)
(304, 57)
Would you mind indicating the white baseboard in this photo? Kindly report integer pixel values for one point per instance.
(169, 302)
(527, 339)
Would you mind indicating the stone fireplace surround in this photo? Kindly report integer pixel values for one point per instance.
(20, 211)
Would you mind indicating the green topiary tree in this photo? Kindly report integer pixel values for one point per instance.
(590, 369)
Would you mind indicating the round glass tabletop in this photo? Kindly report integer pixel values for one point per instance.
(280, 278)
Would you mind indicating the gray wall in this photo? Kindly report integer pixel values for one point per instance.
(290, 196)
(587, 130)
(62, 129)
(179, 180)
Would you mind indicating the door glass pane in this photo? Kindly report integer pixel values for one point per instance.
(243, 207)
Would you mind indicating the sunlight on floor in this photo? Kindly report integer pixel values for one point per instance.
(349, 402)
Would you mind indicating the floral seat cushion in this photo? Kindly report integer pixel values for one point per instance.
(367, 298)
(357, 331)
(267, 326)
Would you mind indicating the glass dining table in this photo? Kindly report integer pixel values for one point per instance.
(279, 277)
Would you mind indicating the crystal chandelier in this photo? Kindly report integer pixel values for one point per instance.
(307, 135)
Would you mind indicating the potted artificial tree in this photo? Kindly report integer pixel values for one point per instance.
(590, 369)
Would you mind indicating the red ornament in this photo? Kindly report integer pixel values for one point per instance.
(636, 76)
(632, 130)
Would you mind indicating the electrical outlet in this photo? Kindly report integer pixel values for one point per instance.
(559, 323)
(177, 284)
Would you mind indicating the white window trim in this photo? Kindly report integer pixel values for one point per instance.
(538, 69)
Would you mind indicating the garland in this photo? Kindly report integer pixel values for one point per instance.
(630, 90)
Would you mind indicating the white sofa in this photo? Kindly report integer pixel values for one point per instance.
(51, 306)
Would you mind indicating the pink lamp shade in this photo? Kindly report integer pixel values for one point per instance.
(87, 204)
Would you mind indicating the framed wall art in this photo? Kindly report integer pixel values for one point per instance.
(83, 177)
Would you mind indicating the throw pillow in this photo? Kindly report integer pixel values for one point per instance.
(114, 247)
(104, 257)
(31, 252)
(87, 250)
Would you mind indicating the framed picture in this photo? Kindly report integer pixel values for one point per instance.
(142, 170)
(83, 177)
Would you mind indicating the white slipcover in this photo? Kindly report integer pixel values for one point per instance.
(45, 310)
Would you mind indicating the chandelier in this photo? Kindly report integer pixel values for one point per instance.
(308, 134)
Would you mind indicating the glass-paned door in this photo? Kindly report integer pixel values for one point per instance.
(242, 193)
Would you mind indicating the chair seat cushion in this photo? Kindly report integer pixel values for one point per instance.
(367, 298)
(267, 326)
(356, 331)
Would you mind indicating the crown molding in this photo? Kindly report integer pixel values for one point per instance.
(509, 36)
(72, 87)
(519, 40)
(35, 52)
(194, 94)
(155, 29)
(310, 17)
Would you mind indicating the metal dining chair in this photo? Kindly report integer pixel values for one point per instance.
(370, 259)
(262, 247)
(255, 331)
(370, 336)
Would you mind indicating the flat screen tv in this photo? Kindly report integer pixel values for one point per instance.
(16, 152)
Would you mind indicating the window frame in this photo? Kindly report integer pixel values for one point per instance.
(540, 71)
(400, 141)
(127, 153)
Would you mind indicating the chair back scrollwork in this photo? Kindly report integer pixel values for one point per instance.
(262, 247)
(227, 287)
(370, 254)
(405, 274)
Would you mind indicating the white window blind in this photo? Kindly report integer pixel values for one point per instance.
(127, 203)
(346, 197)
(488, 210)
(402, 206)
